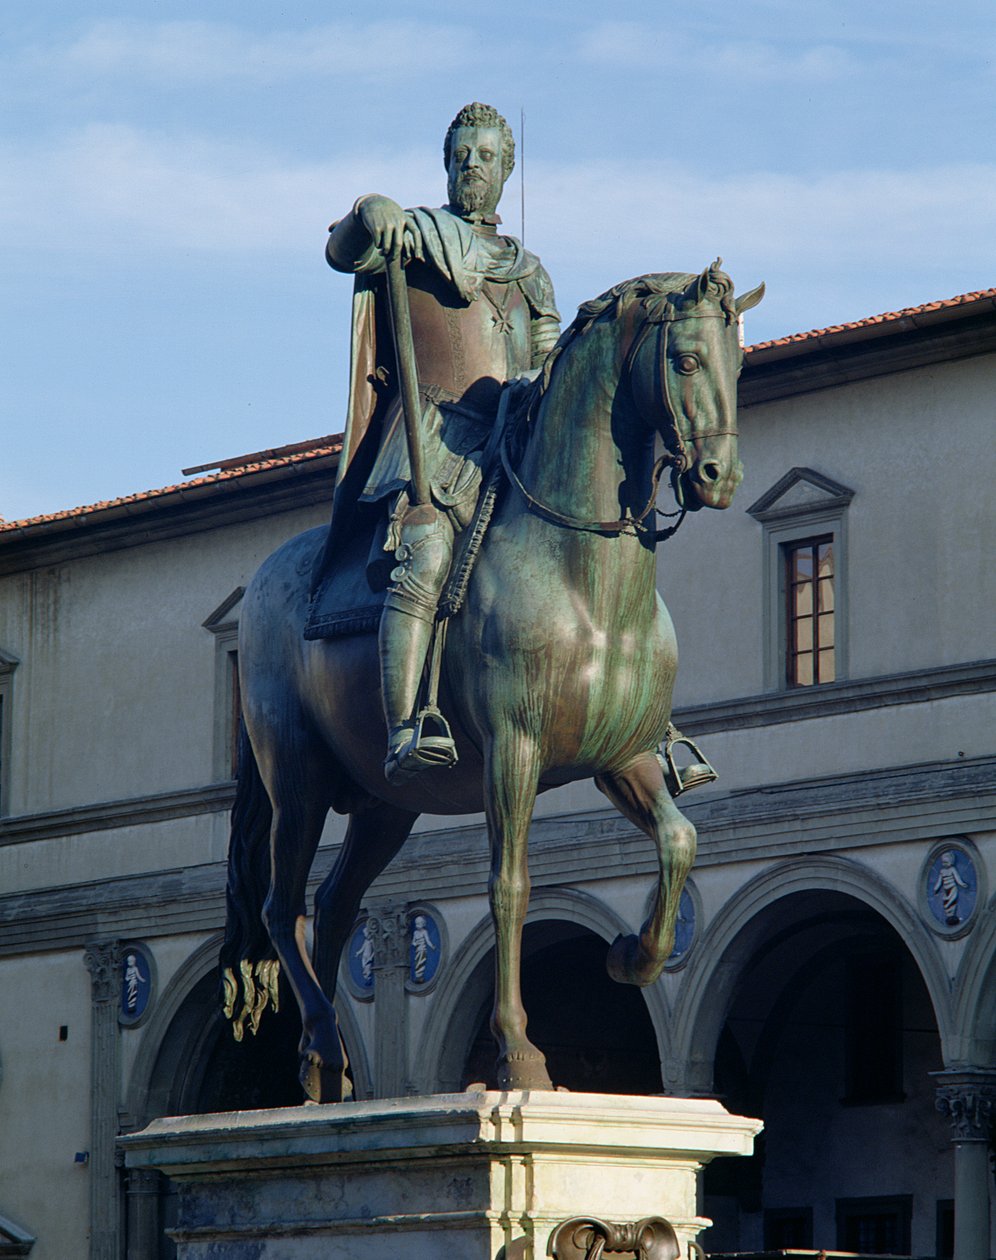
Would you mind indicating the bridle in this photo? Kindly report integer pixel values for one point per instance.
(676, 457)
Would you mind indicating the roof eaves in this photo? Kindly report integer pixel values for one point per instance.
(890, 323)
(227, 482)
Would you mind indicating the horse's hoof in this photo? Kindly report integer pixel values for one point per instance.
(629, 963)
(523, 1071)
(324, 1084)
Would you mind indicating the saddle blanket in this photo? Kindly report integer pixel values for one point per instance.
(351, 599)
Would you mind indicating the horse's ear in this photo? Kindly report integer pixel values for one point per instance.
(749, 299)
(707, 278)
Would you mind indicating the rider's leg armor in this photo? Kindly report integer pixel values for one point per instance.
(405, 635)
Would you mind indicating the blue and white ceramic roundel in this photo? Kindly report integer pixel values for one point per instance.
(360, 957)
(136, 983)
(424, 948)
(952, 887)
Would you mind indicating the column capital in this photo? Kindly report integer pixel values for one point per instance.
(389, 930)
(144, 1181)
(967, 1096)
(103, 960)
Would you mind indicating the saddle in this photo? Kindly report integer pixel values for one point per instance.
(350, 599)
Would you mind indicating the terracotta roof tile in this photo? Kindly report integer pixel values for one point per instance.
(909, 312)
(325, 446)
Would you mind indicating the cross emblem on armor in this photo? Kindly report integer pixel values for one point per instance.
(500, 320)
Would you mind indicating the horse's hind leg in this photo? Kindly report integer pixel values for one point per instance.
(511, 776)
(638, 792)
(375, 834)
(299, 810)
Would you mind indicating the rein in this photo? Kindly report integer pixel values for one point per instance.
(624, 525)
(678, 461)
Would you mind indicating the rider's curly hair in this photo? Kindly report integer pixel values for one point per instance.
(478, 115)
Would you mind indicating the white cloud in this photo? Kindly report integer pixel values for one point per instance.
(111, 187)
(833, 245)
(636, 45)
(880, 213)
(839, 245)
(200, 50)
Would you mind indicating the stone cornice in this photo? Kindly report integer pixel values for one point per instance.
(109, 815)
(834, 814)
(912, 687)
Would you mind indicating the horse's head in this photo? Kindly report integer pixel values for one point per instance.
(684, 364)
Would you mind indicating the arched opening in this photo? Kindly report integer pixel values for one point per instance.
(596, 1034)
(830, 1037)
(201, 1068)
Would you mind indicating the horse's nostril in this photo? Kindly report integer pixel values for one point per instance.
(709, 470)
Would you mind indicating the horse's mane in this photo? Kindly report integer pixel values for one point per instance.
(663, 283)
(658, 291)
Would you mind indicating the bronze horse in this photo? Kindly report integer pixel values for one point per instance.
(559, 667)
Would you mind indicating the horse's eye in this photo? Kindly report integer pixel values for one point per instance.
(686, 363)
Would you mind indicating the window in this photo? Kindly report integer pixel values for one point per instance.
(234, 712)
(876, 1226)
(7, 666)
(809, 607)
(788, 1229)
(224, 625)
(804, 518)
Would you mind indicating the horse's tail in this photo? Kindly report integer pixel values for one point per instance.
(250, 970)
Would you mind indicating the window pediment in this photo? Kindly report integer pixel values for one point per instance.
(800, 492)
(225, 617)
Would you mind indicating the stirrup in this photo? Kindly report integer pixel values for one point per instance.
(684, 778)
(422, 750)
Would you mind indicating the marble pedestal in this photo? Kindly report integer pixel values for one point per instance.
(459, 1176)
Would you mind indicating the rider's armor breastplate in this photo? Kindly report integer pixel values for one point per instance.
(466, 350)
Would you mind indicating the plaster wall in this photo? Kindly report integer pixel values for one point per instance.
(45, 1099)
(916, 449)
(954, 729)
(115, 853)
(115, 664)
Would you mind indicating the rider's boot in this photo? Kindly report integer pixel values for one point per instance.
(415, 741)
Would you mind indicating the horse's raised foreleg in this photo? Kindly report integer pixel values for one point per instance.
(375, 834)
(511, 776)
(638, 792)
(299, 811)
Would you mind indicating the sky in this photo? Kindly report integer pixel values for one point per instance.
(168, 172)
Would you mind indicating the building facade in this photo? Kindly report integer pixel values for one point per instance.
(835, 972)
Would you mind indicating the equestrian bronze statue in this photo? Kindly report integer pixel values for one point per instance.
(547, 646)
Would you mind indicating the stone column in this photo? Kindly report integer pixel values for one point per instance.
(968, 1098)
(103, 961)
(143, 1213)
(389, 930)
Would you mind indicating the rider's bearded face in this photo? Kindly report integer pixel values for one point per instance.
(474, 174)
